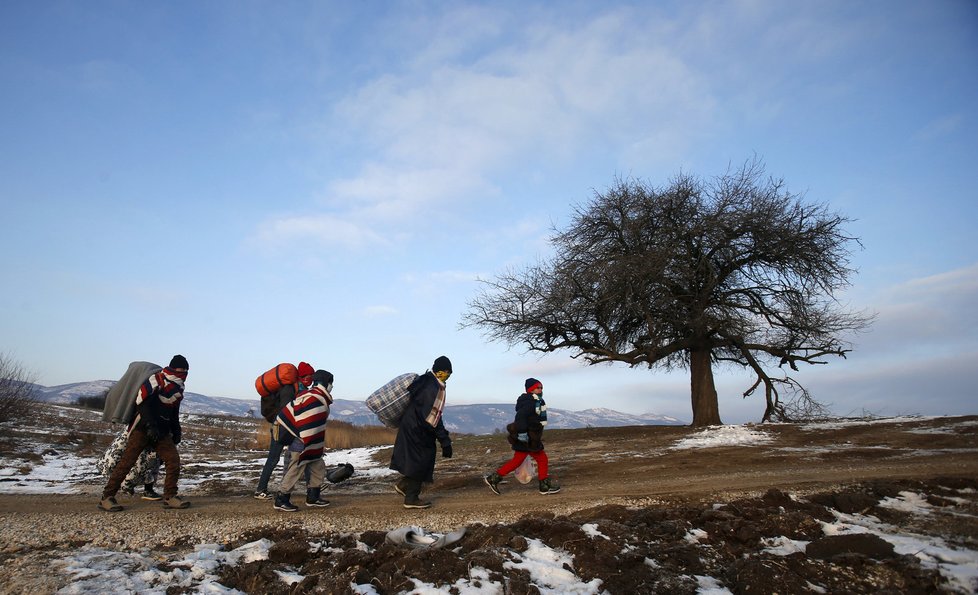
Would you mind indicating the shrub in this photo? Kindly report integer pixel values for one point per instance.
(17, 390)
(94, 402)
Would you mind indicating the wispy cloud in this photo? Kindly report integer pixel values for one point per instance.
(933, 314)
(379, 311)
(321, 230)
(461, 113)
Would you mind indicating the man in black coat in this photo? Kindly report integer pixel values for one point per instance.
(420, 431)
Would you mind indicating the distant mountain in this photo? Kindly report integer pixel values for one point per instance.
(464, 419)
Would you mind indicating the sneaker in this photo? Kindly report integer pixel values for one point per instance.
(263, 495)
(492, 480)
(109, 505)
(399, 489)
(150, 494)
(416, 503)
(547, 488)
(284, 504)
(175, 502)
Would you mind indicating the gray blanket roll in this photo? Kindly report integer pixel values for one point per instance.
(120, 402)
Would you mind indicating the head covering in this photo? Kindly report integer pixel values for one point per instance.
(305, 369)
(442, 364)
(322, 377)
(179, 361)
(532, 384)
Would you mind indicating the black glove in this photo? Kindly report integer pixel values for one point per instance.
(152, 434)
(177, 435)
(446, 450)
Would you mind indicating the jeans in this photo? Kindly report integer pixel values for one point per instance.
(275, 449)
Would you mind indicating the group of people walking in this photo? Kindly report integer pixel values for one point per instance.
(298, 414)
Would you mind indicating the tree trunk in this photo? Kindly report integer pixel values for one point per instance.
(706, 411)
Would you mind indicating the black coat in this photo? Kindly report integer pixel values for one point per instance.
(527, 421)
(415, 448)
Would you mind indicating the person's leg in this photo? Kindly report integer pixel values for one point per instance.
(511, 465)
(292, 474)
(412, 489)
(546, 485)
(316, 472)
(274, 454)
(542, 463)
(167, 451)
(134, 447)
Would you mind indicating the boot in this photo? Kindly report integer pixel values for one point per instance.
(283, 502)
(175, 502)
(150, 494)
(109, 504)
(313, 499)
(492, 480)
(399, 486)
(547, 487)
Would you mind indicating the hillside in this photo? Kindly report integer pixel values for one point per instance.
(849, 507)
(463, 419)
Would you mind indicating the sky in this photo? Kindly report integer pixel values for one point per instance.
(249, 183)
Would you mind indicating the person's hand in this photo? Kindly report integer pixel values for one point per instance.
(446, 450)
(177, 436)
(152, 434)
(523, 437)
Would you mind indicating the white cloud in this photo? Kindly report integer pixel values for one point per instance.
(933, 314)
(324, 230)
(442, 126)
(379, 311)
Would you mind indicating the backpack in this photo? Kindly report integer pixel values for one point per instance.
(389, 401)
(268, 383)
(120, 401)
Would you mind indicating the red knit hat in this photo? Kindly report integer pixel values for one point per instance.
(305, 369)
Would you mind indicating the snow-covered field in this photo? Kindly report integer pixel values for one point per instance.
(552, 570)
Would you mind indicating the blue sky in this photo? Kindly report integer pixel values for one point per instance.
(253, 182)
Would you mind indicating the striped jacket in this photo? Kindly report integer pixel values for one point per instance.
(305, 418)
(158, 403)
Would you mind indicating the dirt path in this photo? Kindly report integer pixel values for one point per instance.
(634, 466)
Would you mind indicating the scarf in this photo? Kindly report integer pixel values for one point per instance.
(434, 416)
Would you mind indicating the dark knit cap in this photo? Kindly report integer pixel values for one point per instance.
(179, 361)
(442, 364)
(532, 384)
(322, 377)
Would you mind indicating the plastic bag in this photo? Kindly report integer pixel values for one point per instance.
(526, 471)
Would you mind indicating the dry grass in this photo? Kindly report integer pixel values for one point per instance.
(339, 434)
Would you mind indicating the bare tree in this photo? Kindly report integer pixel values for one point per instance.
(16, 389)
(736, 269)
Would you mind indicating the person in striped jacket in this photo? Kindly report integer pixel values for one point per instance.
(156, 425)
(304, 421)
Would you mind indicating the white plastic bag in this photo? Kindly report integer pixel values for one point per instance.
(526, 471)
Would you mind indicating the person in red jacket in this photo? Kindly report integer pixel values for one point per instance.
(526, 438)
(155, 425)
